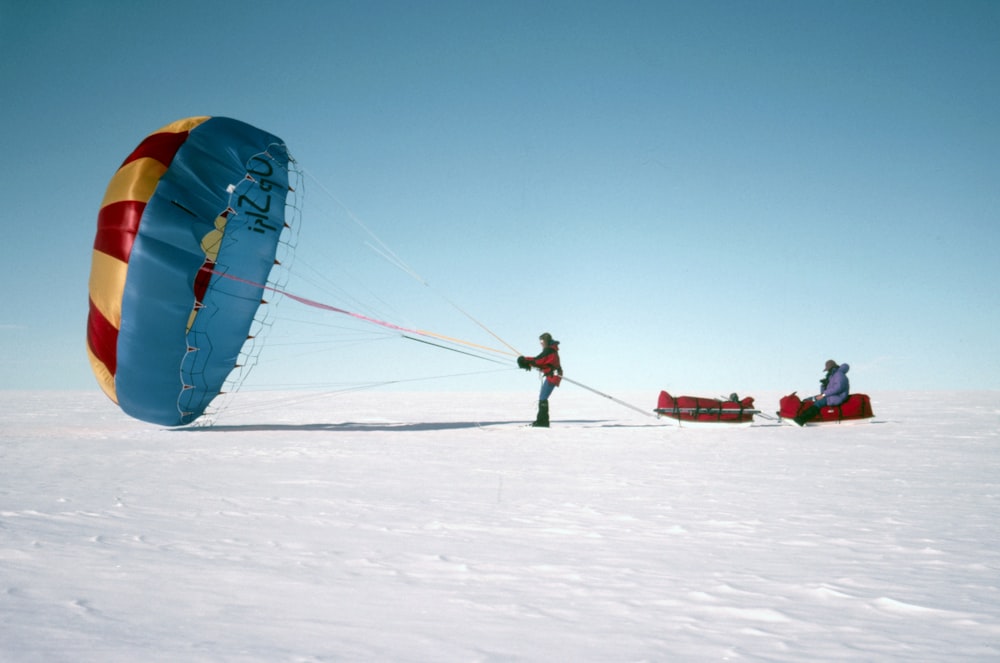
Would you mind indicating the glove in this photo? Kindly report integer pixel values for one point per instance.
(522, 362)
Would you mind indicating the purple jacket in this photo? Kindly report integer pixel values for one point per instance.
(838, 387)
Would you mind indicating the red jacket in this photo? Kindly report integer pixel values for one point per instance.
(548, 363)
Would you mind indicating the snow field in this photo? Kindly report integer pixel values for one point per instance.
(434, 527)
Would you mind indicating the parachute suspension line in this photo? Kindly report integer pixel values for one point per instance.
(297, 398)
(375, 321)
(609, 397)
(513, 351)
(461, 352)
(382, 249)
(393, 259)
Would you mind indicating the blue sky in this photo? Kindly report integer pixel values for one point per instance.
(703, 197)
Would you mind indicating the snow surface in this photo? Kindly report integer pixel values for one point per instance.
(375, 526)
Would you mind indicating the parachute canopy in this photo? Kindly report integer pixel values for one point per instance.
(187, 233)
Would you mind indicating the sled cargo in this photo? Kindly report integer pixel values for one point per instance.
(698, 410)
(856, 409)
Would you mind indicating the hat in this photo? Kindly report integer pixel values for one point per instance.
(830, 365)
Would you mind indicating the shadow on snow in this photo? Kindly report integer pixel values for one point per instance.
(350, 426)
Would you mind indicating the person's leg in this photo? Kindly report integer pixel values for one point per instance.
(810, 412)
(542, 420)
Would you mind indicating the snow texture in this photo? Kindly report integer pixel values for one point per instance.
(435, 527)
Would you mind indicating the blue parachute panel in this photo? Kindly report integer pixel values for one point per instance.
(217, 210)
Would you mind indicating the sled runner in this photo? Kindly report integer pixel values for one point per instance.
(693, 409)
(856, 409)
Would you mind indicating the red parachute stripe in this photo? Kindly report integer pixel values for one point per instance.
(103, 339)
(159, 146)
(202, 281)
(117, 225)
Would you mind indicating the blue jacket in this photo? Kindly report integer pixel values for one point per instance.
(838, 387)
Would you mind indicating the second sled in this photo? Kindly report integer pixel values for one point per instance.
(856, 409)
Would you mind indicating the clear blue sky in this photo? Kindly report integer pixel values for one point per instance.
(703, 197)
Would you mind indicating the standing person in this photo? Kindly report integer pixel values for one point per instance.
(835, 389)
(547, 362)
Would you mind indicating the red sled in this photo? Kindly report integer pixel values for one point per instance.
(692, 409)
(857, 408)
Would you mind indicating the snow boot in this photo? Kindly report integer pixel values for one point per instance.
(806, 415)
(542, 420)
